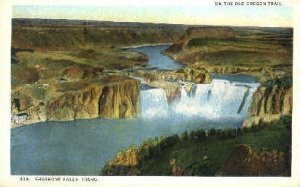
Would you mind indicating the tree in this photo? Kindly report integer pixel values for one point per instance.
(212, 132)
(200, 135)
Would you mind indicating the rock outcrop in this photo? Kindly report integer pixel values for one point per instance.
(111, 97)
(194, 74)
(201, 33)
(244, 161)
(171, 81)
(271, 100)
(115, 100)
(270, 103)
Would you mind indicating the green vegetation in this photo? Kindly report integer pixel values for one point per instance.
(283, 82)
(199, 152)
(24, 74)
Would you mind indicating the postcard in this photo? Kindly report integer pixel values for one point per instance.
(137, 93)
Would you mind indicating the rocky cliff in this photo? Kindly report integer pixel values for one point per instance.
(116, 100)
(110, 97)
(270, 102)
(201, 34)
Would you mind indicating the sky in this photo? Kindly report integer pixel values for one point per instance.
(196, 15)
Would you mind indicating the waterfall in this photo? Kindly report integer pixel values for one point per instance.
(153, 103)
(221, 99)
(246, 95)
(224, 98)
(186, 105)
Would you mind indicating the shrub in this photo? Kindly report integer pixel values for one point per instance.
(171, 140)
(184, 136)
(212, 132)
(200, 135)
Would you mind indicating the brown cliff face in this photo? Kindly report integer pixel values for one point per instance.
(269, 104)
(110, 97)
(272, 100)
(201, 33)
(114, 100)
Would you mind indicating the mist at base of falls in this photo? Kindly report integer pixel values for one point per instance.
(220, 101)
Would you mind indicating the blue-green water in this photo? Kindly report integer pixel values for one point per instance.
(82, 147)
(156, 58)
(241, 78)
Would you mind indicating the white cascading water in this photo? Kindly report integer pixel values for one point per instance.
(221, 99)
(153, 103)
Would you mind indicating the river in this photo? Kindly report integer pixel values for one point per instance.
(82, 147)
(156, 58)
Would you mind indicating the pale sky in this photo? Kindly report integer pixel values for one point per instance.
(198, 15)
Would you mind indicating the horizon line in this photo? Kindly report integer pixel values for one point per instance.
(162, 23)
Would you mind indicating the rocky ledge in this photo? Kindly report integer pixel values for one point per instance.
(108, 97)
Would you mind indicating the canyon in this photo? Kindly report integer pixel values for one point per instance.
(123, 83)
